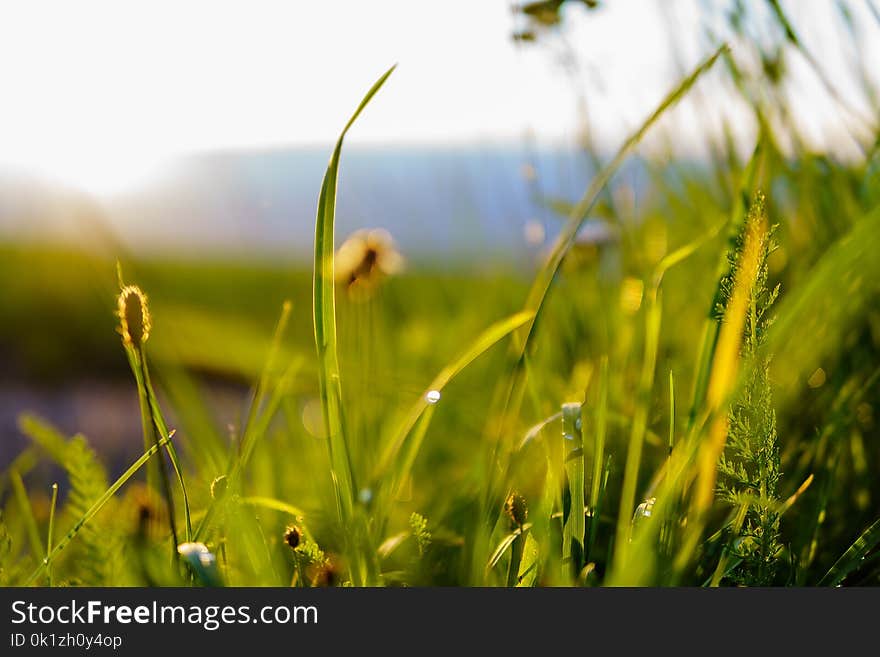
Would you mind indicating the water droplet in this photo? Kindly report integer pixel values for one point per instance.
(432, 396)
(365, 496)
(643, 511)
(577, 424)
(568, 436)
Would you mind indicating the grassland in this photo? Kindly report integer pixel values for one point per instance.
(688, 402)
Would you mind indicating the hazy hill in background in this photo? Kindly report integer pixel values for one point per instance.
(450, 204)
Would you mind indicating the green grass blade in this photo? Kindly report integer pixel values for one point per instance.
(97, 506)
(259, 392)
(684, 252)
(50, 534)
(601, 429)
(723, 568)
(409, 451)
(505, 543)
(852, 558)
(483, 343)
(530, 562)
(579, 212)
(639, 425)
(324, 306)
(545, 276)
(162, 426)
(258, 429)
(261, 423)
(573, 529)
(159, 428)
(516, 555)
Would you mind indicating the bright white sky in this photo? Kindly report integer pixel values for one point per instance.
(95, 92)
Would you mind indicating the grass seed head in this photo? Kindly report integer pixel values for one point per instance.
(516, 509)
(134, 316)
(292, 536)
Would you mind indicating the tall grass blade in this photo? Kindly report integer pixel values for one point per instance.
(324, 305)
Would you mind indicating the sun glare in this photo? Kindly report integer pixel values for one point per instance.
(100, 174)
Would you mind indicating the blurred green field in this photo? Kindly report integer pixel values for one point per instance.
(711, 434)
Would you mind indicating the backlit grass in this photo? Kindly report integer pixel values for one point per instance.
(689, 403)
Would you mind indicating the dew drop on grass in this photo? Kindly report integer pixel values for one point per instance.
(643, 511)
(432, 396)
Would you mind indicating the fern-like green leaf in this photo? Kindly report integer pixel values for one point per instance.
(88, 481)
